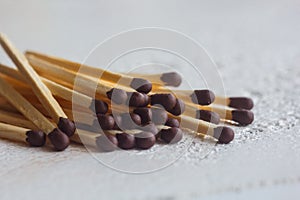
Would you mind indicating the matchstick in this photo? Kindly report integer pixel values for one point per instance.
(164, 79)
(235, 102)
(59, 140)
(139, 84)
(39, 88)
(61, 91)
(201, 97)
(15, 133)
(87, 84)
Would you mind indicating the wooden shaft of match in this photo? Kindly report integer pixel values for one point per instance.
(25, 107)
(56, 89)
(190, 110)
(33, 79)
(60, 75)
(88, 70)
(12, 132)
(16, 119)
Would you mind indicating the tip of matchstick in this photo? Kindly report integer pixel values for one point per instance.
(144, 140)
(243, 117)
(59, 140)
(171, 79)
(223, 134)
(159, 116)
(137, 99)
(172, 122)
(178, 109)
(208, 116)
(168, 101)
(171, 135)
(106, 122)
(66, 126)
(141, 85)
(129, 121)
(100, 106)
(107, 143)
(117, 95)
(125, 140)
(203, 97)
(144, 113)
(36, 138)
(241, 103)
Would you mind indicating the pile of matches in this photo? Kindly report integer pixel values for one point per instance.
(37, 106)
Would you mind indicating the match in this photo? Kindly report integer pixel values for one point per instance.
(38, 87)
(138, 84)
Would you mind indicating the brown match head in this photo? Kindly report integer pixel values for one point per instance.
(243, 117)
(223, 134)
(241, 103)
(118, 96)
(106, 122)
(118, 121)
(203, 97)
(159, 116)
(178, 109)
(141, 85)
(144, 140)
(171, 79)
(59, 140)
(172, 122)
(208, 116)
(107, 143)
(125, 140)
(130, 121)
(136, 99)
(36, 138)
(168, 101)
(171, 135)
(67, 126)
(100, 106)
(144, 113)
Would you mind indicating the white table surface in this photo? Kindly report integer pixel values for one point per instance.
(257, 49)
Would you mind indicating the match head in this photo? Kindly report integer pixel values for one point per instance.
(144, 113)
(141, 85)
(172, 122)
(36, 138)
(100, 106)
(130, 121)
(118, 96)
(223, 134)
(136, 99)
(243, 117)
(107, 143)
(159, 116)
(203, 97)
(171, 135)
(171, 79)
(208, 116)
(178, 109)
(144, 140)
(59, 140)
(106, 122)
(168, 101)
(118, 121)
(67, 126)
(125, 140)
(241, 103)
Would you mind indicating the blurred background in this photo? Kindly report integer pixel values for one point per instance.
(256, 47)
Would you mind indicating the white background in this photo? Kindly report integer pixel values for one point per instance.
(256, 47)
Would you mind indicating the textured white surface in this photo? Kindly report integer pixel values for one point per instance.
(256, 46)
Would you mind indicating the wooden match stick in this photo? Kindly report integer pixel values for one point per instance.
(139, 84)
(61, 91)
(87, 84)
(59, 140)
(165, 79)
(241, 116)
(39, 88)
(15, 133)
